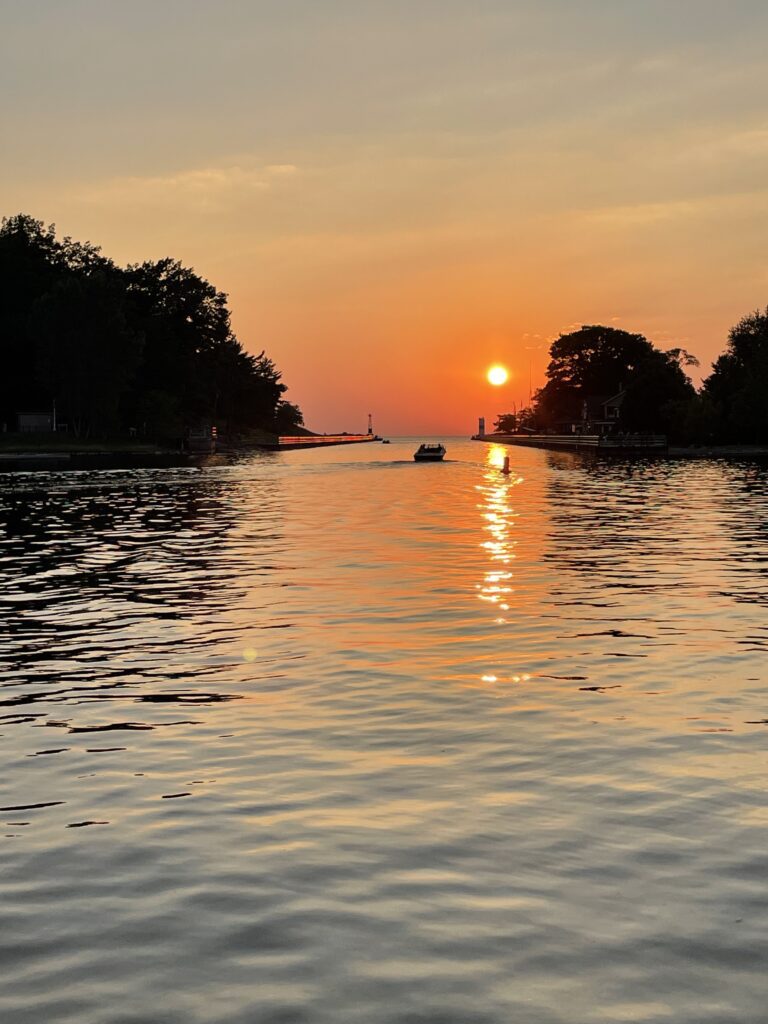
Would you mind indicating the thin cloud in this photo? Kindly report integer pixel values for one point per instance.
(209, 188)
(651, 213)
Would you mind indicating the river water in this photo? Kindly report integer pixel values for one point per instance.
(328, 737)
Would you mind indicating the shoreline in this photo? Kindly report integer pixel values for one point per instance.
(97, 458)
(712, 451)
(718, 451)
(118, 456)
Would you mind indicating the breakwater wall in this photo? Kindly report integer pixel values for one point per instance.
(581, 442)
(283, 444)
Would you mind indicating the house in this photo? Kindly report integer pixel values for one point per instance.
(34, 423)
(599, 415)
(612, 406)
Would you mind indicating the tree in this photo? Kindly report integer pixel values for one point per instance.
(598, 362)
(526, 419)
(86, 352)
(32, 262)
(193, 363)
(505, 423)
(148, 346)
(288, 418)
(737, 389)
(514, 422)
(183, 319)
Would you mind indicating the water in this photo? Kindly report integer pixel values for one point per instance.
(332, 737)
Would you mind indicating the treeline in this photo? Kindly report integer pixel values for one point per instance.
(146, 349)
(651, 389)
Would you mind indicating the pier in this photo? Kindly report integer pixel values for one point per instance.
(609, 443)
(286, 443)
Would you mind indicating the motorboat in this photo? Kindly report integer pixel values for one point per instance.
(429, 453)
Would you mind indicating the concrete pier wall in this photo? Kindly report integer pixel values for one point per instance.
(581, 442)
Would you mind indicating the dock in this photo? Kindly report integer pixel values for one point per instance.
(608, 443)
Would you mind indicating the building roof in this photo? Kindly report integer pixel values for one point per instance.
(616, 400)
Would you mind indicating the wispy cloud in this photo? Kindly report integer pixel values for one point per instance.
(739, 145)
(206, 188)
(650, 214)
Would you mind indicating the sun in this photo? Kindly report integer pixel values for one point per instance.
(498, 375)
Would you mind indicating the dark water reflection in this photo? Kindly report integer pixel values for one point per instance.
(330, 736)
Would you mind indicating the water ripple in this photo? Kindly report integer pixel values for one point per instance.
(333, 737)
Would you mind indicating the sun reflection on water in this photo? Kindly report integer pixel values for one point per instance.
(498, 515)
(496, 509)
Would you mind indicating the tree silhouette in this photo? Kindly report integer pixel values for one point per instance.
(86, 352)
(505, 423)
(736, 393)
(149, 346)
(596, 363)
(511, 422)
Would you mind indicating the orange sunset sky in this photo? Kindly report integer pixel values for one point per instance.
(396, 195)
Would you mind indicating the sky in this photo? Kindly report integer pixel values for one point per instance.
(397, 195)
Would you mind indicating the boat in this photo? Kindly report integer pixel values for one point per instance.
(429, 453)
